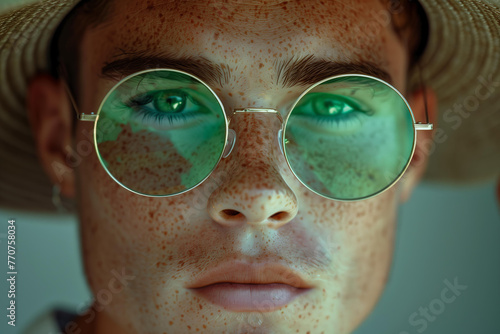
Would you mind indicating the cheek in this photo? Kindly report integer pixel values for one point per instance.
(359, 237)
(145, 162)
(369, 239)
(163, 155)
(120, 228)
(154, 240)
(348, 169)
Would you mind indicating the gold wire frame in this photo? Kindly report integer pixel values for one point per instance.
(416, 127)
(93, 117)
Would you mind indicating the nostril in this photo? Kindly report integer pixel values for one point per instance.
(282, 215)
(230, 213)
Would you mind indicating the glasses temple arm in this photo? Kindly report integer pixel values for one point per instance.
(427, 125)
(81, 116)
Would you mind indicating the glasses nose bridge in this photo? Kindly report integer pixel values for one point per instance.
(232, 137)
(257, 110)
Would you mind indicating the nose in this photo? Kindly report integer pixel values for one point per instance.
(253, 192)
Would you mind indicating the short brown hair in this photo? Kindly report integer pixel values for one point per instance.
(66, 42)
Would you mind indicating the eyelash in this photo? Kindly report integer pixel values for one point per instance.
(139, 102)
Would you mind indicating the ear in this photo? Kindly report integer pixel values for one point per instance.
(418, 164)
(50, 117)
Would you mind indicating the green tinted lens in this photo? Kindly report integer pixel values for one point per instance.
(160, 132)
(350, 137)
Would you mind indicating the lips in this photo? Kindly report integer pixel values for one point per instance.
(246, 287)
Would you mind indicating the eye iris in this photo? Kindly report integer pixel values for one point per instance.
(170, 103)
(332, 107)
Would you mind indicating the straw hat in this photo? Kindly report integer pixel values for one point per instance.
(461, 63)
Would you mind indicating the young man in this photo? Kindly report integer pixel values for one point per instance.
(265, 242)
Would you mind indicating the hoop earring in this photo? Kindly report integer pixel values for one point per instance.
(57, 201)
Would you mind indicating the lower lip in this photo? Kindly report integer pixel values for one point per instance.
(250, 297)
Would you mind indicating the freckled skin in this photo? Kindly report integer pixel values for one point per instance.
(135, 165)
(159, 156)
(343, 249)
(356, 157)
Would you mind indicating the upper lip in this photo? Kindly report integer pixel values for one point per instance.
(250, 273)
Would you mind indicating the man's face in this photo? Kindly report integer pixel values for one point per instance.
(251, 209)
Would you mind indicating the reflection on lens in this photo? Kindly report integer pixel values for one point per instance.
(349, 138)
(160, 132)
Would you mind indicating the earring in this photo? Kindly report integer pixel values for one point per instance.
(56, 199)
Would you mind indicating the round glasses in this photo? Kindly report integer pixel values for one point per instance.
(162, 132)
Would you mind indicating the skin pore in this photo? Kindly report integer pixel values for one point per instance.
(342, 249)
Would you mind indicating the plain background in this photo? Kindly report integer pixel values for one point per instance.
(444, 233)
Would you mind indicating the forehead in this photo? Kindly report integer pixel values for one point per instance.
(288, 25)
(248, 36)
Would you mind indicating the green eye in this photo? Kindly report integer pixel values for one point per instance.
(332, 105)
(170, 102)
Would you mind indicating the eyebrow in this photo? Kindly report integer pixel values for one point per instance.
(290, 72)
(133, 62)
(309, 70)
